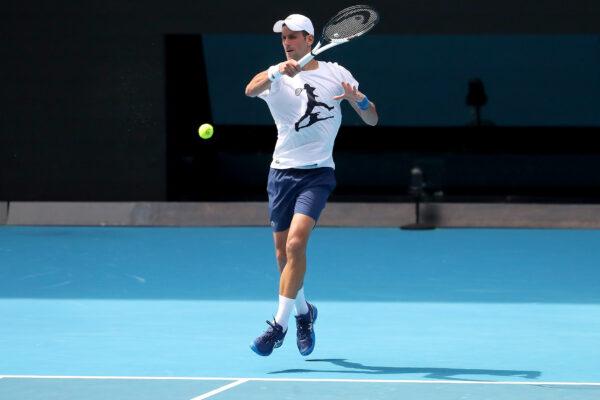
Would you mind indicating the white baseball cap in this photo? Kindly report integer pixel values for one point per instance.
(295, 22)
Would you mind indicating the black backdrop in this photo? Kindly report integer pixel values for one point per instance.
(84, 111)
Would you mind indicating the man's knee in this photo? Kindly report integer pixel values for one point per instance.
(281, 255)
(295, 247)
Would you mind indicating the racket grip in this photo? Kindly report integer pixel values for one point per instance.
(273, 72)
(305, 60)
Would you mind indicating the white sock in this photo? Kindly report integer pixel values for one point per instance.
(283, 312)
(301, 306)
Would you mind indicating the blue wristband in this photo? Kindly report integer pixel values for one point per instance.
(363, 104)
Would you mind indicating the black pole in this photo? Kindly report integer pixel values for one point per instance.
(417, 189)
(417, 213)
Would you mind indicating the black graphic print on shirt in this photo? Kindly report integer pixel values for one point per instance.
(313, 117)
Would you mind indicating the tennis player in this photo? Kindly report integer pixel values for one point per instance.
(305, 105)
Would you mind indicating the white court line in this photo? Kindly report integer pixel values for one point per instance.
(221, 389)
(133, 378)
(202, 378)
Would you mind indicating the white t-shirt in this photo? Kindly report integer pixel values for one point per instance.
(306, 115)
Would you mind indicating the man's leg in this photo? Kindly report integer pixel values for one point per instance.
(290, 281)
(292, 275)
(280, 240)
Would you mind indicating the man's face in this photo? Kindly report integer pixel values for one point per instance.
(295, 44)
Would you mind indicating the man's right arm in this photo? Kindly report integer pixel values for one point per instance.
(258, 84)
(261, 81)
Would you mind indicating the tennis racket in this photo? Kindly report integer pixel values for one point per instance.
(344, 26)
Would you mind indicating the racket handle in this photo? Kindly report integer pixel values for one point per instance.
(273, 71)
(306, 59)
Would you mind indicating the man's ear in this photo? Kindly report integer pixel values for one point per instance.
(310, 39)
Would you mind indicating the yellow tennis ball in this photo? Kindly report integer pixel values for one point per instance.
(206, 131)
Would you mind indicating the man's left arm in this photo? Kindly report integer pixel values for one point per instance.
(360, 103)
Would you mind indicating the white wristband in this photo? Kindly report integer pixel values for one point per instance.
(273, 73)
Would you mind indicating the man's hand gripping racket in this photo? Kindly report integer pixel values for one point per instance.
(346, 25)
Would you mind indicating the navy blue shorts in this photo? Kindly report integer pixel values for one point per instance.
(303, 191)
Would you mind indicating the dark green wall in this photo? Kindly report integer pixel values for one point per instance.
(83, 114)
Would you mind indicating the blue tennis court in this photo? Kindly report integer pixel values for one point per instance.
(168, 313)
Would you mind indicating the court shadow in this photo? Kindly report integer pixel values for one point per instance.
(432, 373)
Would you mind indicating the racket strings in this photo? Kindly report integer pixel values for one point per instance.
(351, 22)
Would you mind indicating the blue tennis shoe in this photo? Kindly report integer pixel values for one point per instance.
(271, 339)
(305, 335)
